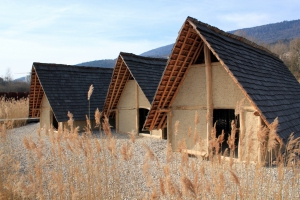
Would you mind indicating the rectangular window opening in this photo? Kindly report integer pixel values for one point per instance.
(223, 118)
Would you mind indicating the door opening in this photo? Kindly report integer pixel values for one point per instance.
(165, 133)
(142, 118)
(223, 119)
(54, 121)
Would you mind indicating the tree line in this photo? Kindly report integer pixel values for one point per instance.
(7, 84)
(289, 53)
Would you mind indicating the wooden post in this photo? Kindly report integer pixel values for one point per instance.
(169, 128)
(137, 109)
(259, 156)
(208, 72)
(117, 120)
(60, 127)
(241, 135)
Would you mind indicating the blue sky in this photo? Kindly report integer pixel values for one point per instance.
(71, 32)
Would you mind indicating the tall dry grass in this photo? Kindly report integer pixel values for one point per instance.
(12, 108)
(72, 165)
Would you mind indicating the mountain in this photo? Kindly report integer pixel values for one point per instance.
(272, 33)
(22, 79)
(106, 63)
(269, 34)
(160, 52)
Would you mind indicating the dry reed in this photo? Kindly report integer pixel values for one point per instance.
(68, 165)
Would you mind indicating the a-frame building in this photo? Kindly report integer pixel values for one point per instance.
(131, 91)
(56, 89)
(208, 72)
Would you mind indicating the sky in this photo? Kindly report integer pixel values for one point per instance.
(72, 32)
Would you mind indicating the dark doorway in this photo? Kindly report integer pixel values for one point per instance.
(54, 121)
(112, 121)
(165, 133)
(223, 119)
(142, 118)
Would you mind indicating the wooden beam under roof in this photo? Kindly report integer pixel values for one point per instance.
(180, 47)
(36, 94)
(120, 77)
(185, 67)
(115, 82)
(185, 52)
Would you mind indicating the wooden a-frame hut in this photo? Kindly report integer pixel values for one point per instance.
(56, 89)
(131, 91)
(208, 72)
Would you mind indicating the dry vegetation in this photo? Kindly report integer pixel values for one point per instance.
(13, 109)
(69, 165)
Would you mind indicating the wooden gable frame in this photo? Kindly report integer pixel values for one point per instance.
(188, 45)
(184, 52)
(121, 75)
(35, 95)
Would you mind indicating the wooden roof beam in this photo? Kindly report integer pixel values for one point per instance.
(113, 90)
(176, 78)
(116, 100)
(160, 102)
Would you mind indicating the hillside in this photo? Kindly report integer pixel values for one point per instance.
(106, 63)
(271, 33)
(160, 52)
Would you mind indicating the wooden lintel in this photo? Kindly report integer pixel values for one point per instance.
(249, 108)
(189, 108)
(126, 109)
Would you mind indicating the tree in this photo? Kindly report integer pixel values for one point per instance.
(8, 75)
(295, 53)
(28, 78)
(280, 48)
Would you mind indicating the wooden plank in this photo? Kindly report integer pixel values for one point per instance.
(199, 107)
(208, 73)
(117, 120)
(169, 127)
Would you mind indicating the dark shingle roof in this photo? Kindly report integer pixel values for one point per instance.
(146, 71)
(264, 77)
(66, 88)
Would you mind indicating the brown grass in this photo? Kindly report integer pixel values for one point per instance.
(13, 109)
(69, 165)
